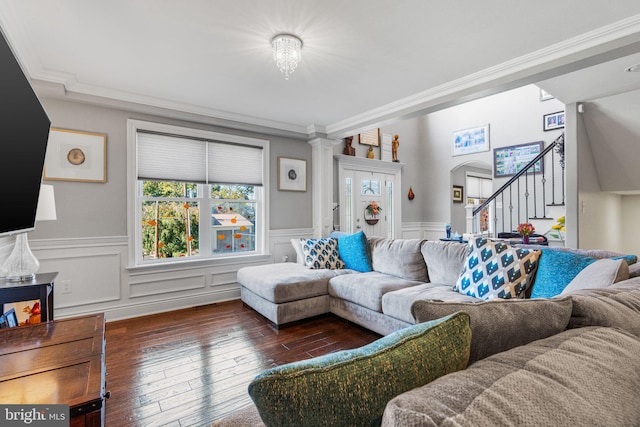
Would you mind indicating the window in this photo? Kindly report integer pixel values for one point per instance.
(479, 188)
(195, 194)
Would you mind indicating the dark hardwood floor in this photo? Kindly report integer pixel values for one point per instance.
(191, 367)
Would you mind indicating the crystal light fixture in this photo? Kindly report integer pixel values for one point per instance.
(287, 53)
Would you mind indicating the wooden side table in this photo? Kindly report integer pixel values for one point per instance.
(58, 362)
(41, 288)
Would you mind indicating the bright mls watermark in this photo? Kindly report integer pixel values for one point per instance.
(34, 415)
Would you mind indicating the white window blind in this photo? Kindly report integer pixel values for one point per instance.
(478, 187)
(234, 164)
(175, 158)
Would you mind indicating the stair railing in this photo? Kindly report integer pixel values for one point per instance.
(513, 185)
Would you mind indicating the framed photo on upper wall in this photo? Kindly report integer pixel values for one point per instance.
(472, 140)
(553, 121)
(292, 174)
(508, 161)
(76, 156)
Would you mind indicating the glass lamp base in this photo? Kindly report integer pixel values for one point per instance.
(22, 265)
(25, 278)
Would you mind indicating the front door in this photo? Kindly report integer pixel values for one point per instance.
(368, 203)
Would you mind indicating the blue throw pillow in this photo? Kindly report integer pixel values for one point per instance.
(355, 252)
(556, 269)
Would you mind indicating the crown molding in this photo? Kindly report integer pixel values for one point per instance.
(618, 39)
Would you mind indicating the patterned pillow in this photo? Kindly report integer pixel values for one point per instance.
(496, 270)
(321, 253)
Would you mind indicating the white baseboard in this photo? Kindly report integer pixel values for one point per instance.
(127, 311)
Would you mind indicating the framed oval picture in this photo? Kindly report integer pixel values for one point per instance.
(292, 174)
(76, 156)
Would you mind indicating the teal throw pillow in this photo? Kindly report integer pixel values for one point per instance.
(355, 252)
(352, 387)
(556, 269)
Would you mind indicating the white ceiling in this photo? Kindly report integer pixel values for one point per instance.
(365, 62)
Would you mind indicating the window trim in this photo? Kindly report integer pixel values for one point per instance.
(133, 213)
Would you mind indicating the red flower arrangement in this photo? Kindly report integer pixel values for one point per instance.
(526, 229)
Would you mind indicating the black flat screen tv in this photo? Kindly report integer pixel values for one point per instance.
(24, 132)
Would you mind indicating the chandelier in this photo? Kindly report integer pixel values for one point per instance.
(286, 53)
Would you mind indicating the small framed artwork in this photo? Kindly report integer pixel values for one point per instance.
(76, 156)
(9, 319)
(472, 140)
(553, 121)
(458, 194)
(292, 174)
(371, 137)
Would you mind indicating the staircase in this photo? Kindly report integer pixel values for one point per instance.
(530, 196)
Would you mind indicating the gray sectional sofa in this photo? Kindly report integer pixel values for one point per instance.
(573, 359)
(404, 270)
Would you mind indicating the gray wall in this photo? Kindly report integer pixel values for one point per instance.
(515, 117)
(92, 209)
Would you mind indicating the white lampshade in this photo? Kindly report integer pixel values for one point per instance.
(46, 210)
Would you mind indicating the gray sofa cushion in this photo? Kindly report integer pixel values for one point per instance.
(581, 377)
(498, 325)
(618, 307)
(400, 258)
(600, 274)
(284, 282)
(634, 270)
(444, 260)
(398, 303)
(367, 289)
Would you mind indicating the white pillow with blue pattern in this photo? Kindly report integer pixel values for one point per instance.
(321, 253)
(495, 269)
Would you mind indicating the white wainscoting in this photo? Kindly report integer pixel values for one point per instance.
(423, 230)
(96, 271)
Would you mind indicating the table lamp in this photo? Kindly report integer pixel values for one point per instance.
(22, 265)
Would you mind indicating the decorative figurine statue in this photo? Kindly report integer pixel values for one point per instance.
(348, 149)
(370, 154)
(394, 148)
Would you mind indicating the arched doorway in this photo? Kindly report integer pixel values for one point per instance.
(474, 180)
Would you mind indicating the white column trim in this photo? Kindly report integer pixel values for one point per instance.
(322, 185)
